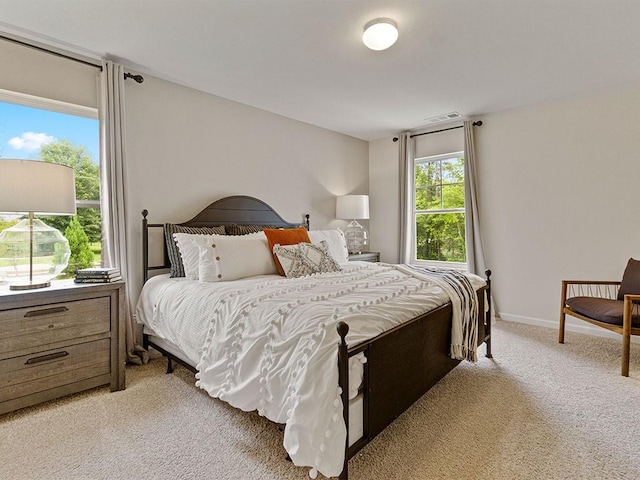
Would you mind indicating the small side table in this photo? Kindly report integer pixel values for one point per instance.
(60, 340)
(365, 257)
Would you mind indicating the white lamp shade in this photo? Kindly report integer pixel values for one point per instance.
(37, 187)
(351, 207)
(380, 34)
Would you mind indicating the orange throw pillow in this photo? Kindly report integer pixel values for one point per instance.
(289, 236)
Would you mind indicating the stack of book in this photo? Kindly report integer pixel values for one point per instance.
(97, 275)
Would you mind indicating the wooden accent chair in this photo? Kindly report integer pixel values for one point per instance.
(598, 303)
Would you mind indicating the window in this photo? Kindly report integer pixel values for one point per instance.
(439, 210)
(34, 128)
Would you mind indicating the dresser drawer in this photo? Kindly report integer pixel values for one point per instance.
(24, 330)
(29, 374)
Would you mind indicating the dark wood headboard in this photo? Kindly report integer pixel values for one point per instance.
(236, 209)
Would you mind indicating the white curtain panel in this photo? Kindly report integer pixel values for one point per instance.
(407, 222)
(113, 196)
(475, 251)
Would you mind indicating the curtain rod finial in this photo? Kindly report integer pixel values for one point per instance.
(137, 78)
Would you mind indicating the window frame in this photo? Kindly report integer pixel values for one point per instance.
(52, 105)
(415, 212)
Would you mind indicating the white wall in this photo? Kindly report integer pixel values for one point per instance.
(558, 197)
(186, 149)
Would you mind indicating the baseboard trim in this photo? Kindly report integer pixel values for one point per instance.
(571, 325)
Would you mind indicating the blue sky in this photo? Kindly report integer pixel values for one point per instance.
(24, 129)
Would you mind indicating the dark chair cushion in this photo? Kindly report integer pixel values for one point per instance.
(601, 309)
(630, 279)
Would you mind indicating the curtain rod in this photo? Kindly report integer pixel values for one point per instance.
(52, 52)
(475, 124)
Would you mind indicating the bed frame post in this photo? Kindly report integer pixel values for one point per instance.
(145, 246)
(487, 328)
(343, 382)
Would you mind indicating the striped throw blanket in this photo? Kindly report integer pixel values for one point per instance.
(464, 326)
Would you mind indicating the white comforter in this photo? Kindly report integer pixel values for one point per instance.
(269, 344)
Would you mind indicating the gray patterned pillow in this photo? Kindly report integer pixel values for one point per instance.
(234, 229)
(177, 267)
(305, 259)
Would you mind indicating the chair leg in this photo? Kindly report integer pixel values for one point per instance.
(563, 299)
(626, 335)
(561, 328)
(626, 352)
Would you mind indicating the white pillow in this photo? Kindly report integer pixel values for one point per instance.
(188, 248)
(336, 241)
(231, 257)
(305, 259)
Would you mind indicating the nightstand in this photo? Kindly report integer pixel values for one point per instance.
(60, 340)
(365, 256)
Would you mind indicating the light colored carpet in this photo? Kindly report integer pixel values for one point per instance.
(539, 410)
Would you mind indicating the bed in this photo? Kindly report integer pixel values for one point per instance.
(334, 357)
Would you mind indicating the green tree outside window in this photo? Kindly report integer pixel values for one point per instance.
(81, 254)
(439, 210)
(87, 175)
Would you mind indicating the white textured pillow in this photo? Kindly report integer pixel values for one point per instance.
(305, 259)
(188, 248)
(336, 241)
(232, 257)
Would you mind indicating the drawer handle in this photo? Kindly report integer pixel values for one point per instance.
(46, 311)
(46, 358)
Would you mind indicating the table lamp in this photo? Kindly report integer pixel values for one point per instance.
(31, 252)
(354, 207)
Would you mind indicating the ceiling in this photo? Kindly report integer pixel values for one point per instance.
(304, 59)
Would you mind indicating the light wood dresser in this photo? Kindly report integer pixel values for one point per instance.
(60, 340)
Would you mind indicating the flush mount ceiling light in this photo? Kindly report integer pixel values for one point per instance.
(380, 33)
